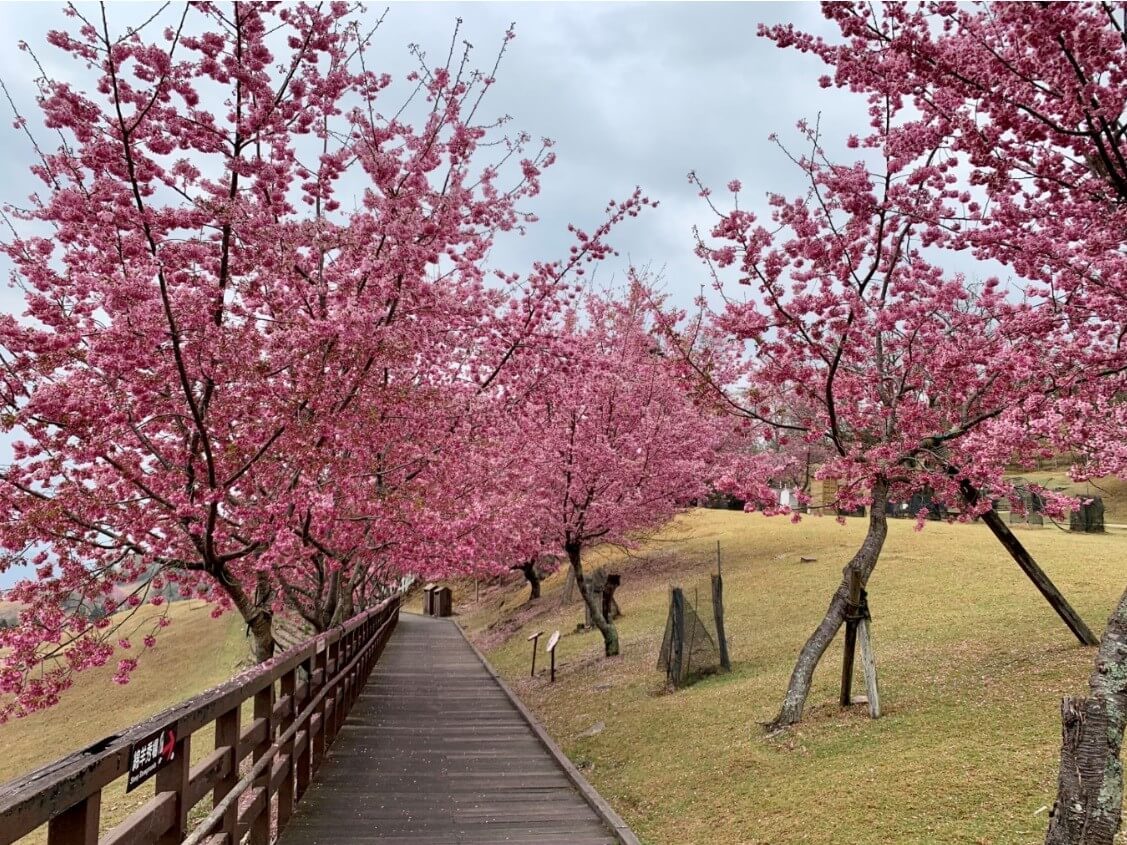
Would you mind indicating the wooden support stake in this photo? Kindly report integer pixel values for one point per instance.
(718, 614)
(869, 666)
(320, 713)
(1029, 566)
(332, 718)
(854, 602)
(677, 645)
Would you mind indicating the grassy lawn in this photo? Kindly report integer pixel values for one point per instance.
(972, 667)
(195, 653)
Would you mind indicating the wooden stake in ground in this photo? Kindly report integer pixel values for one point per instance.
(851, 619)
(857, 625)
(718, 614)
(677, 642)
(1029, 566)
(869, 666)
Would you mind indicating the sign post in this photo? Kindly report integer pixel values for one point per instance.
(533, 640)
(551, 648)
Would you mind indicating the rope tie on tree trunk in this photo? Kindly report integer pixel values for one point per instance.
(859, 611)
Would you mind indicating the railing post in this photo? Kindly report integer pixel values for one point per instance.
(227, 735)
(263, 709)
(78, 825)
(338, 664)
(350, 696)
(333, 698)
(320, 715)
(286, 788)
(174, 778)
(305, 756)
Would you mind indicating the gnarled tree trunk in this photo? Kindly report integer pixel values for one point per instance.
(593, 602)
(259, 618)
(863, 563)
(1090, 785)
(532, 576)
(610, 606)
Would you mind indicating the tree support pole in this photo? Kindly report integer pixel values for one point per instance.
(1029, 566)
(850, 638)
(718, 616)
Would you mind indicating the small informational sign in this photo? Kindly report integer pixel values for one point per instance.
(552, 640)
(149, 755)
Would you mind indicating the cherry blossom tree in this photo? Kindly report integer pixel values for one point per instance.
(611, 443)
(911, 378)
(1027, 103)
(222, 360)
(427, 492)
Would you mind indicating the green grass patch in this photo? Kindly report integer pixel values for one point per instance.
(972, 662)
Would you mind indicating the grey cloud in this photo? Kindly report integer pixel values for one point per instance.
(632, 94)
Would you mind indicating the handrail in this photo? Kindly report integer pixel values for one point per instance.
(216, 815)
(66, 794)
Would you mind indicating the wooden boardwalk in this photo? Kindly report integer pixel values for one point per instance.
(435, 752)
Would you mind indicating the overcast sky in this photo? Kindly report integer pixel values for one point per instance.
(631, 94)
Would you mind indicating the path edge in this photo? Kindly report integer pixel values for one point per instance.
(590, 795)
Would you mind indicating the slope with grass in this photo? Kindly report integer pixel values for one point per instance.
(195, 653)
(972, 667)
(1113, 491)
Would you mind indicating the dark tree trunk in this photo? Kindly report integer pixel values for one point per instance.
(610, 606)
(863, 563)
(532, 576)
(334, 606)
(1090, 785)
(259, 619)
(262, 629)
(594, 605)
(567, 596)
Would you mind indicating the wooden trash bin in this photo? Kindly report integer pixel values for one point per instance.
(443, 601)
(428, 599)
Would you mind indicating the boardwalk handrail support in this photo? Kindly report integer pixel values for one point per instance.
(287, 744)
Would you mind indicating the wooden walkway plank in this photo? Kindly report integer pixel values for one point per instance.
(437, 751)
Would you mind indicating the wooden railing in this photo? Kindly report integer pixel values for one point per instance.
(300, 699)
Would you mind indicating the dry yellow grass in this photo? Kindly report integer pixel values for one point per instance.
(972, 667)
(194, 654)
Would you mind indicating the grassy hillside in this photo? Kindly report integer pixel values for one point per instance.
(195, 653)
(972, 667)
(1113, 491)
(9, 611)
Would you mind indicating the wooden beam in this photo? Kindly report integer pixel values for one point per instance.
(77, 825)
(854, 602)
(869, 666)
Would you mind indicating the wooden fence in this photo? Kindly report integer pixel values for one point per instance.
(300, 700)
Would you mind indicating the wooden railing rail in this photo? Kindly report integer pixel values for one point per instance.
(299, 700)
